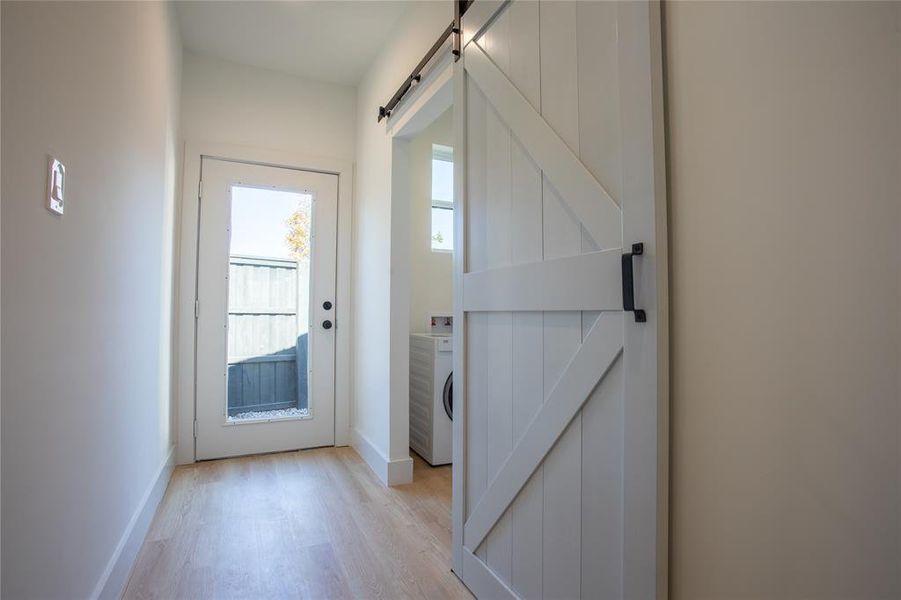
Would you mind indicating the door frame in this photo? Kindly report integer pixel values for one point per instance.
(431, 98)
(649, 107)
(186, 292)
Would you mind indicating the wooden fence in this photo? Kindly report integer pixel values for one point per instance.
(267, 334)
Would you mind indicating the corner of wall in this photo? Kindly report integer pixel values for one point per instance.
(371, 372)
(389, 472)
(114, 578)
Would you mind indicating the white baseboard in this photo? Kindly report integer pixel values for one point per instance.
(115, 576)
(390, 472)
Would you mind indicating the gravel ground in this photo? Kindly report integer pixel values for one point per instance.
(271, 414)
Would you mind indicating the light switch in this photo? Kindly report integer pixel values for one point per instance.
(56, 186)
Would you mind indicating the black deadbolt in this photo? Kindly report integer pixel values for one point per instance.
(326, 324)
(327, 305)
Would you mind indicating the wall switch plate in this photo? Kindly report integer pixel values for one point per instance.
(56, 186)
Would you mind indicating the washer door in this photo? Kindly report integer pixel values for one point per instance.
(449, 396)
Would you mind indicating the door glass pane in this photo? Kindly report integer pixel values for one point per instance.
(268, 304)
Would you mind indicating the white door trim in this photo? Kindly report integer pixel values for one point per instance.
(431, 98)
(187, 277)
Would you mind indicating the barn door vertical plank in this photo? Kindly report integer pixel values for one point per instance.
(526, 239)
(499, 331)
(561, 527)
(645, 419)
(461, 378)
(476, 366)
(600, 140)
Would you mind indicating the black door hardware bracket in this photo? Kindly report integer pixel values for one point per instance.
(629, 283)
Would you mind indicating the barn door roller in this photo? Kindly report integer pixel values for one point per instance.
(629, 283)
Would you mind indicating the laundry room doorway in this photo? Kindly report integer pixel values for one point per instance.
(431, 193)
(422, 286)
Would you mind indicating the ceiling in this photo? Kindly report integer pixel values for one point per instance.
(332, 41)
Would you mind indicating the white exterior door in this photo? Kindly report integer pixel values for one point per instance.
(560, 444)
(265, 311)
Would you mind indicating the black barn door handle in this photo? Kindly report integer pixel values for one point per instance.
(629, 283)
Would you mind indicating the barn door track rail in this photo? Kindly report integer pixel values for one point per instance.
(455, 30)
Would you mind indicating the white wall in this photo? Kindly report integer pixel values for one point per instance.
(785, 214)
(236, 104)
(373, 421)
(86, 426)
(431, 273)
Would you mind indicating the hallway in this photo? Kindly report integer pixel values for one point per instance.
(311, 524)
(632, 266)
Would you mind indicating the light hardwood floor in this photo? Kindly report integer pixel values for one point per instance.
(308, 524)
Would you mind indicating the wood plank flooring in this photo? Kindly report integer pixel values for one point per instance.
(309, 524)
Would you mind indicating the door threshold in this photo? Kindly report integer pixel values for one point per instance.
(251, 454)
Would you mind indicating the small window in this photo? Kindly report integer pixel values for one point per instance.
(442, 198)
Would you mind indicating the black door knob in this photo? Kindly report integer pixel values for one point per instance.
(326, 324)
(327, 305)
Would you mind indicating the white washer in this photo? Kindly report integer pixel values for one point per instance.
(431, 396)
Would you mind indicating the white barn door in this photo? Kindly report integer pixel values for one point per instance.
(560, 443)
